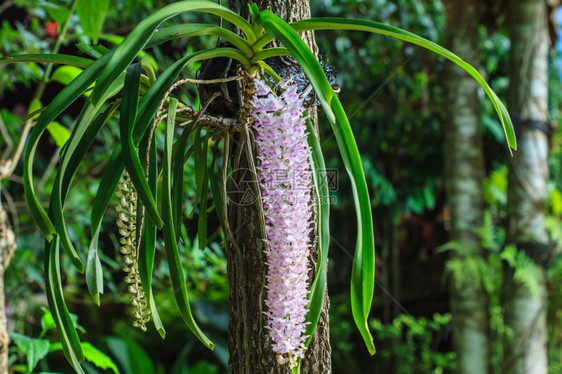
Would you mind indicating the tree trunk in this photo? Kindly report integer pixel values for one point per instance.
(464, 175)
(7, 249)
(525, 311)
(249, 342)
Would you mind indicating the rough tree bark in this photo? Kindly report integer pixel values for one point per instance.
(249, 342)
(7, 249)
(525, 312)
(464, 175)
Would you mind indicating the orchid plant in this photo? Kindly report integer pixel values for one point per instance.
(117, 84)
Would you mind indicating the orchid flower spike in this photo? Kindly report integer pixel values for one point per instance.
(285, 179)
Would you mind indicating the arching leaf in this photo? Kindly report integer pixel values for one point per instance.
(336, 23)
(48, 58)
(69, 337)
(141, 34)
(75, 149)
(66, 97)
(147, 249)
(130, 156)
(165, 34)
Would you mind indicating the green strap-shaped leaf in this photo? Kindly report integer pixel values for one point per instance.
(56, 204)
(270, 52)
(82, 137)
(141, 34)
(148, 69)
(165, 34)
(178, 162)
(115, 166)
(94, 270)
(216, 192)
(48, 58)
(269, 70)
(333, 23)
(201, 182)
(109, 181)
(363, 271)
(147, 109)
(202, 220)
(147, 249)
(66, 97)
(197, 157)
(68, 335)
(130, 157)
(151, 100)
(318, 287)
(170, 243)
(178, 153)
(95, 51)
(85, 139)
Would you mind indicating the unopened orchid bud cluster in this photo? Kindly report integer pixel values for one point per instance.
(285, 180)
(127, 222)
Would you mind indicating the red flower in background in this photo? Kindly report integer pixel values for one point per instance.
(52, 28)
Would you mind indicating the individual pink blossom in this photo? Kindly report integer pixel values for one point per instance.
(285, 179)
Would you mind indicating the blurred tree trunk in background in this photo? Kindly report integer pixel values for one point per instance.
(249, 342)
(525, 311)
(464, 176)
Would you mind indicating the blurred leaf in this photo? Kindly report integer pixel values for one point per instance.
(555, 201)
(66, 74)
(495, 187)
(34, 106)
(98, 358)
(203, 367)
(92, 14)
(59, 133)
(34, 349)
(132, 358)
(58, 13)
(47, 321)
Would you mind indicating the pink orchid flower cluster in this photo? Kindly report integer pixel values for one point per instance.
(285, 180)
